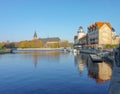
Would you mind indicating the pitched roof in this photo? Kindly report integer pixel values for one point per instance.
(51, 39)
(99, 25)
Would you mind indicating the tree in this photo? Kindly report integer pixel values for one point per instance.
(53, 45)
(31, 44)
(36, 43)
(64, 44)
(1, 46)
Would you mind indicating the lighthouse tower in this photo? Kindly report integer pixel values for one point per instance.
(80, 32)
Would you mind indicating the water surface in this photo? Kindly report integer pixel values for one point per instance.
(53, 73)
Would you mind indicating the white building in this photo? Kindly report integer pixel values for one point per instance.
(80, 34)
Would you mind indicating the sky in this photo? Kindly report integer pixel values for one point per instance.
(19, 19)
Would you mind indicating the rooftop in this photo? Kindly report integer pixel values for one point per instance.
(99, 25)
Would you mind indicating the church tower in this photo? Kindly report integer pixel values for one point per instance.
(35, 36)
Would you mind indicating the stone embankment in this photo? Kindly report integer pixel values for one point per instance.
(104, 54)
(23, 49)
(38, 49)
(5, 51)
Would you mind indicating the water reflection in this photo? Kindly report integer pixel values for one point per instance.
(37, 56)
(54, 73)
(101, 71)
(81, 61)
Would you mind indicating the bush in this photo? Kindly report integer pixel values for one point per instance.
(1, 47)
(111, 46)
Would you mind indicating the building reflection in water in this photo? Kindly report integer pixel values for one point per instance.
(114, 87)
(101, 71)
(80, 60)
(50, 56)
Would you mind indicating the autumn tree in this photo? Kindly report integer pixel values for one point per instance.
(23, 44)
(1, 46)
(36, 44)
(31, 44)
(64, 44)
(55, 45)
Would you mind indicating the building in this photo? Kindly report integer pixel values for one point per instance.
(49, 42)
(101, 34)
(116, 40)
(84, 40)
(76, 40)
(80, 34)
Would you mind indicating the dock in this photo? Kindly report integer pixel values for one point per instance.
(96, 58)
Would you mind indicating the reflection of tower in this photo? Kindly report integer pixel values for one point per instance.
(35, 36)
(80, 61)
(81, 67)
(35, 57)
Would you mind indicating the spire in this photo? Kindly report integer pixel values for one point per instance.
(35, 35)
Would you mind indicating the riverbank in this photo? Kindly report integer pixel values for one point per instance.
(94, 51)
(37, 49)
(2, 51)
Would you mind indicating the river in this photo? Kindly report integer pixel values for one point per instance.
(53, 73)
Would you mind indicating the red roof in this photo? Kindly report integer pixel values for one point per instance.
(99, 25)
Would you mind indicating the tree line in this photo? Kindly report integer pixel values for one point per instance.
(34, 44)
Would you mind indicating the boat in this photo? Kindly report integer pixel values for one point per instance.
(96, 58)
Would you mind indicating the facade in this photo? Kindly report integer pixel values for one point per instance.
(75, 39)
(116, 40)
(84, 40)
(101, 34)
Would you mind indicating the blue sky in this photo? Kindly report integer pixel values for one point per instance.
(54, 18)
